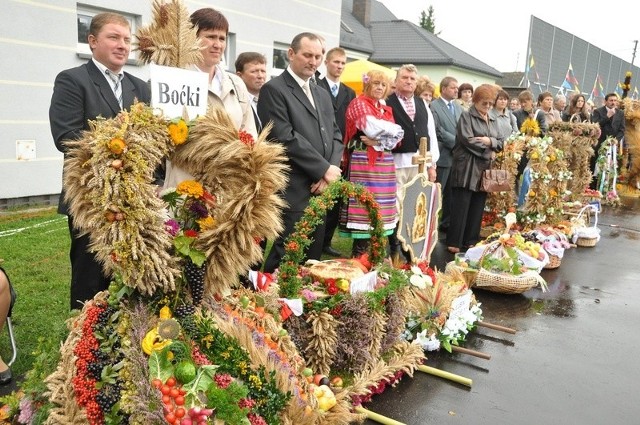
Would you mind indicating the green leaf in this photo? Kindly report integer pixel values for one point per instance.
(183, 244)
(197, 257)
(204, 379)
(159, 366)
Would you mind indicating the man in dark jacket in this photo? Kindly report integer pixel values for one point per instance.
(611, 120)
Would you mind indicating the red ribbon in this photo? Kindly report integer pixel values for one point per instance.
(285, 311)
(263, 281)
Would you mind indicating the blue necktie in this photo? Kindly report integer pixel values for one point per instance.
(453, 111)
(334, 90)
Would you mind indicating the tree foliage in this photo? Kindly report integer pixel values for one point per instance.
(428, 22)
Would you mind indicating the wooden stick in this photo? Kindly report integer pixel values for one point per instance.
(377, 417)
(470, 352)
(496, 327)
(446, 375)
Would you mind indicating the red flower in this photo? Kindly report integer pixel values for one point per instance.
(332, 289)
(191, 233)
(292, 246)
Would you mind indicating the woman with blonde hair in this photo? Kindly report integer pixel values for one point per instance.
(370, 134)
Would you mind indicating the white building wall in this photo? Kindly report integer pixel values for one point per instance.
(39, 40)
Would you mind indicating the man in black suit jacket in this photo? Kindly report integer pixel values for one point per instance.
(341, 96)
(611, 120)
(97, 88)
(306, 126)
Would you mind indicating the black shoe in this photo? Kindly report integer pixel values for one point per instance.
(329, 250)
(6, 377)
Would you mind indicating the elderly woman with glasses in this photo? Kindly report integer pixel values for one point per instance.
(477, 141)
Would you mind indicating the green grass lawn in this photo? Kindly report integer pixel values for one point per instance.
(34, 248)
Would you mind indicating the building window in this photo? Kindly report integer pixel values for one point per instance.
(84, 16)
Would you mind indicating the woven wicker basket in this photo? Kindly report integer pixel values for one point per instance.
(505, 283)
(587, 242)
(554, 262)
(469, 274)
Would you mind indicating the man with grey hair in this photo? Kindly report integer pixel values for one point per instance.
(411, 114)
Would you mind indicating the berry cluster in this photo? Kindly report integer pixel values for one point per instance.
(84, 383)
(195, 279)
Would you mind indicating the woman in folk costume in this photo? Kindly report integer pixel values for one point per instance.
(370, 134)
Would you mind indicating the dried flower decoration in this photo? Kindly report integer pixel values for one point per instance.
(117, 146)
(178, 131)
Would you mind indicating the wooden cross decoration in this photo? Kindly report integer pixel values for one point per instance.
(423, 157)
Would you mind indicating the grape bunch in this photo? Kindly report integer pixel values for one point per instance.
(184, 310)
(108, 396)
(195, 279)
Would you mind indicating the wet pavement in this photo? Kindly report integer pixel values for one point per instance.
(573, 360)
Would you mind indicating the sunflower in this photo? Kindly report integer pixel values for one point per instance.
(179, 131)
(530, 127)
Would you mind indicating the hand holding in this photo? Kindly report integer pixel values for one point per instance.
(369, 142)
(332, 174)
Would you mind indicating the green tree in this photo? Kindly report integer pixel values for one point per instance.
(428, 22)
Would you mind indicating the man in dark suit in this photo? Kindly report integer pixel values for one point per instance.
(410, 112)
(251, 67)
(304, 122)
(446, 113)
(341, 96)
(611, 120)
(97, 88)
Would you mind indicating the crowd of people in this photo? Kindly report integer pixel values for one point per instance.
(328, 132)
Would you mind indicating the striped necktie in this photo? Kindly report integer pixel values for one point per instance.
(307, 91)
(334, 90)
(117, 86)
(408, 107)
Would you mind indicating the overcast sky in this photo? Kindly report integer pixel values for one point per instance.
(479, 27)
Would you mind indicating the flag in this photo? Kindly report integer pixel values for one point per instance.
(570, 81)
(598, 90)
(618, 89)
(531, 65)
(635, 94)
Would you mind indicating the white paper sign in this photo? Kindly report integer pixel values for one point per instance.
(366, 283)
(173, 89)
(460, 305)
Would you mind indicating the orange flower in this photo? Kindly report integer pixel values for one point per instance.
(190, 187)
(178, 131)
(207, 223)
(117, 145)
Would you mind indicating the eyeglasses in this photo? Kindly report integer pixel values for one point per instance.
(486, 103)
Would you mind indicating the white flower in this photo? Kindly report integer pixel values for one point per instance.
(418, 281)
(430, 343)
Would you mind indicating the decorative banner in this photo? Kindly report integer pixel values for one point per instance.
(419, 206)
(176, 90)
